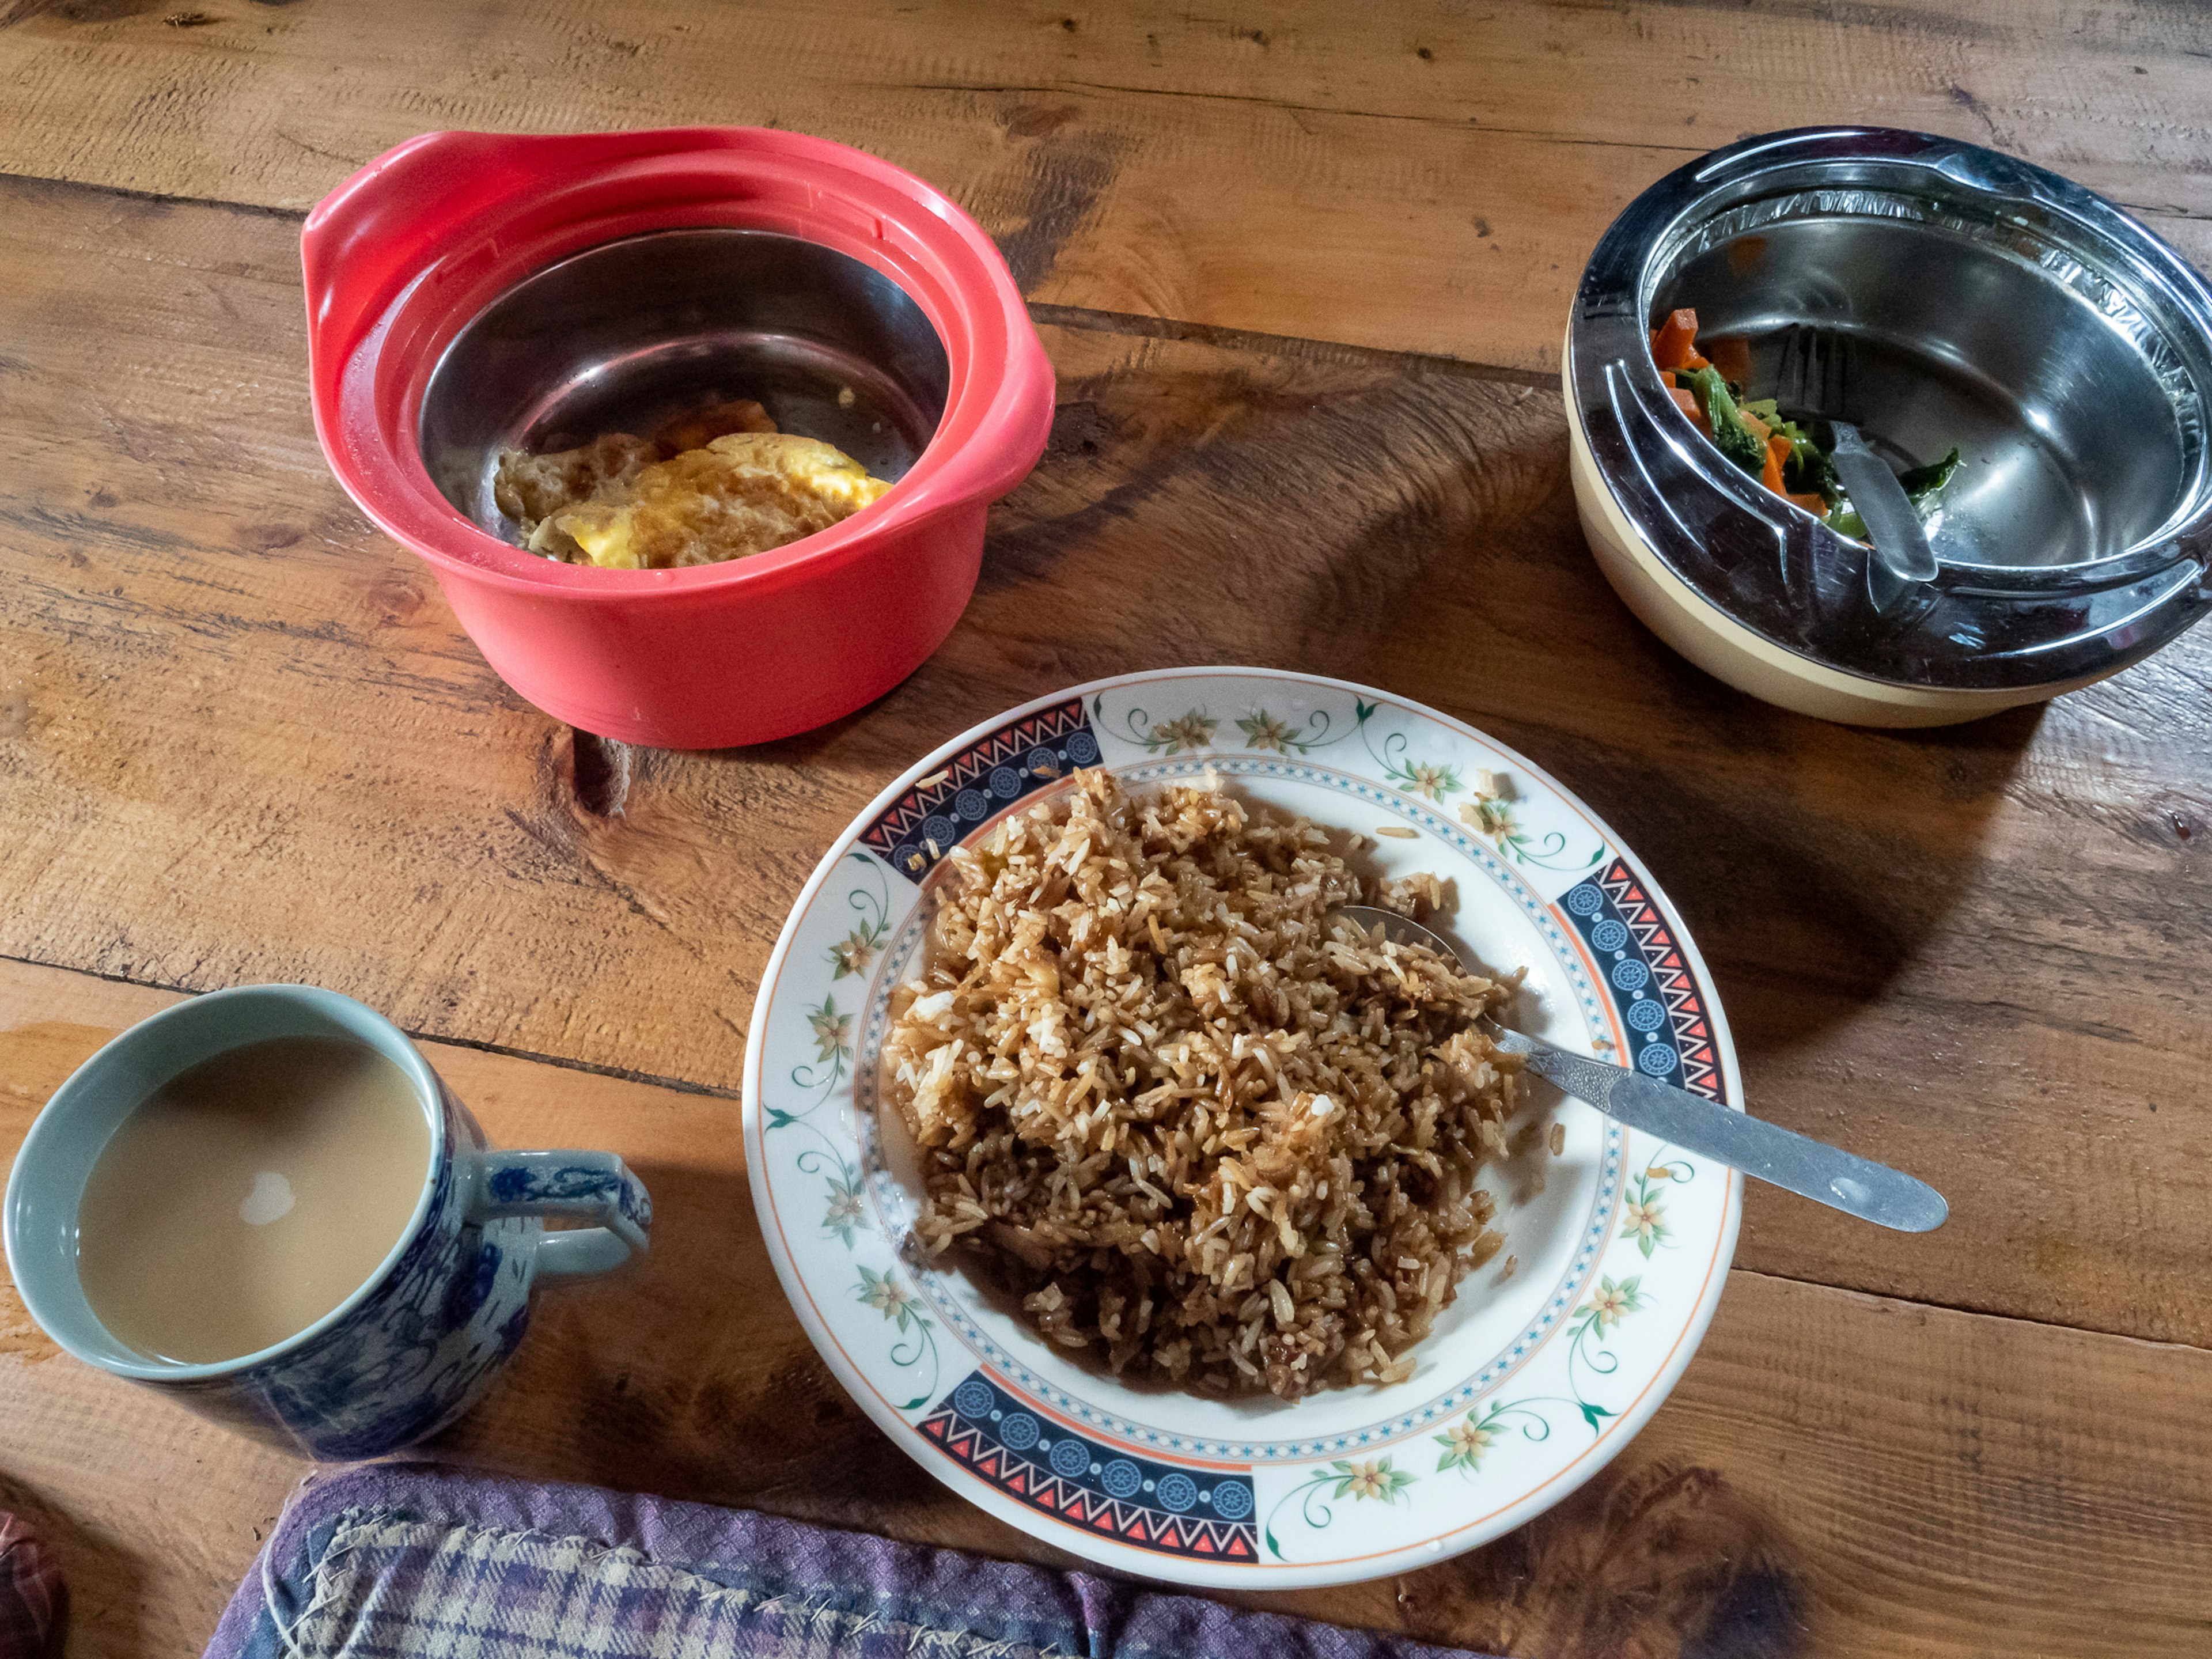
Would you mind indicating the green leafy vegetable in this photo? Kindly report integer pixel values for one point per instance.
(1923, 482)
(1809, 471)
(1730, 435)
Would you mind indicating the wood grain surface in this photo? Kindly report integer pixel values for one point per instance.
(246, 741)
(1835, 1473)
(1427, 176)
(241, 738)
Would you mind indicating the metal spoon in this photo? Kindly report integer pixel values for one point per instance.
(1902, 557)
(1812, 1169)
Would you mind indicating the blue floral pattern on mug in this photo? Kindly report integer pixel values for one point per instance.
(432, 1335)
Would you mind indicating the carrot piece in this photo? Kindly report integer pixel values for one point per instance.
(1731, 355)
(1688, 405)
(1814, 504)
(1778, 450)
(1674, 344)
(1754, 425)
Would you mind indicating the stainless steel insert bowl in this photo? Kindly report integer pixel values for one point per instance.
(1932, 292)
(621, 337)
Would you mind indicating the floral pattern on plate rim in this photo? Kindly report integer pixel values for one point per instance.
(1489, 811)
(945, 1293)
(1467, 1446)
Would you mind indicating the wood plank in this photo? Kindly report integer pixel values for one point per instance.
(1432, 181)
(1837, 1473)
(242, 740)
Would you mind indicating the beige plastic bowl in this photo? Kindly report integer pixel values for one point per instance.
(1936, 295)
(1729, 651)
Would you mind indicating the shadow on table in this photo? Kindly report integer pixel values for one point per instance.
(1408, 524)
(1808, 860)
(1653, 1556)
(103, 1583)
(691, 1377)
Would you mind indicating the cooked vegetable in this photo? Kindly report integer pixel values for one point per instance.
(1731, 355)
(1778, 448)
(1724, 424)
(1672, 342)
(1922, 482)
(1783, 455)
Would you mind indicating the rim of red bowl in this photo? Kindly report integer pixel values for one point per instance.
(403, 255)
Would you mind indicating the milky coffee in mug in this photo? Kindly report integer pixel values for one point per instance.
(249, 1195)
(275, 1174)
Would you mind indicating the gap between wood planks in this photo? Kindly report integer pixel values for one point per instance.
(616, 1073)
(680, 1085)
(1288, 107)
(1088, 318)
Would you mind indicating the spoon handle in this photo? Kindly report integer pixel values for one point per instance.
(1827, 1175)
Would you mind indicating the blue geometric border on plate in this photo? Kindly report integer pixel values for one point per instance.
(1132, 1500)
(1669, 1031)
(1021, 757)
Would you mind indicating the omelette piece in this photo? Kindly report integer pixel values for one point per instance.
(702, 425)
(531, 489)
(744, 493)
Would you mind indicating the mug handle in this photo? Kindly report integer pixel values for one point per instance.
(596, 1187)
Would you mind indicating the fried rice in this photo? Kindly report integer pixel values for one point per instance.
(1203, 1129)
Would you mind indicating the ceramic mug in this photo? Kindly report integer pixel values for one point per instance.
(415, 1346)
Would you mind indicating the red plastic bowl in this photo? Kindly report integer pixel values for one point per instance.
(400, 258)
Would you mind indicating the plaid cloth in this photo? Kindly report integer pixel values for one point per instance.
(30, 1592)
(406, 1561)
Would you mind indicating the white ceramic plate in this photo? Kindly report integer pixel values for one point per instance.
(1529, 1384)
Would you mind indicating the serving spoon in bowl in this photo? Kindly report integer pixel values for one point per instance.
(1812, 1168)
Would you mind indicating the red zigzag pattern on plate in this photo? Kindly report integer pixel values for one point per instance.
(1670, 978)
(1131, 1524)
(900, 823)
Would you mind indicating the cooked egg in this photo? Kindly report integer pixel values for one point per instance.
(744, 493)
(531, 488)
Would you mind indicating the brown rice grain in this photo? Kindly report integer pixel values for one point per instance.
(1202, 1126)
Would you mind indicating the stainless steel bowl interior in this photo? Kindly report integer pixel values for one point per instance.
(622, 337)
(1925, 332)
(1932, 292)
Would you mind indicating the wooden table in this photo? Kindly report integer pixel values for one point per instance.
(1303, 271)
